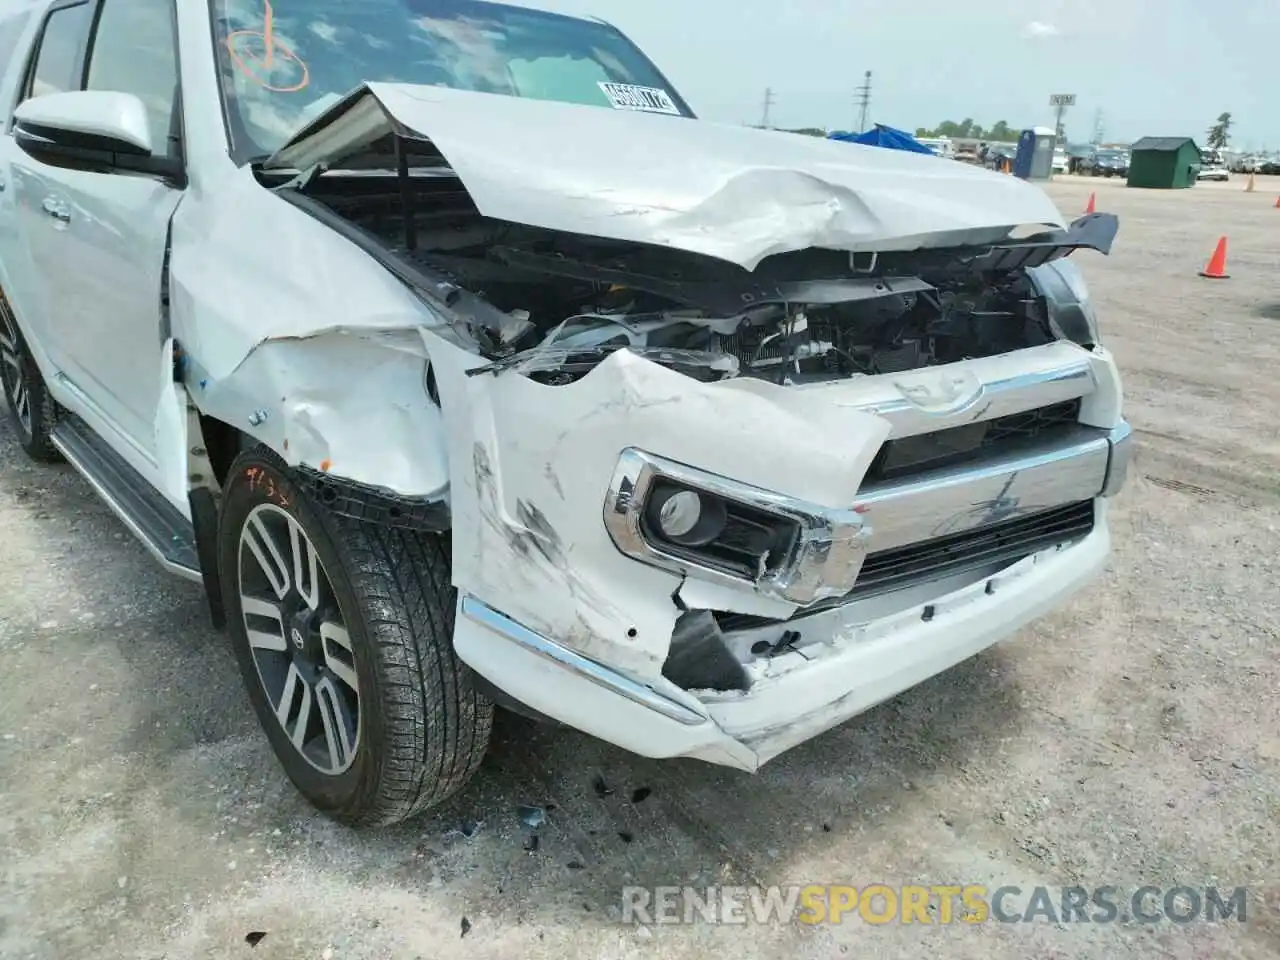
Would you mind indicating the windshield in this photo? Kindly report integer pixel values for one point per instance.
(284, 63)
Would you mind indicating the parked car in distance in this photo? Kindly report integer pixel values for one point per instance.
(941, 146)
(1106, 163)
(1214, 172)
(999, 154)
(445, 409)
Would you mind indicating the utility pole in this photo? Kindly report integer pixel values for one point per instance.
(768, 103)
(863, 100)
(1098, 128)
(1060, 102)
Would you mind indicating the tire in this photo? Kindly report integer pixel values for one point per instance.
(420, 726)
(32, 410)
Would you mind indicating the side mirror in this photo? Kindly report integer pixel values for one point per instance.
(95, 130)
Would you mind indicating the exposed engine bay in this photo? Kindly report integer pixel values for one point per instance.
(552, 305)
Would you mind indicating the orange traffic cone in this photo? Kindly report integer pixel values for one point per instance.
(1278, 203)
(1092, 204)
(1217, 266)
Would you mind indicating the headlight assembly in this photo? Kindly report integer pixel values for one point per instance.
(1068, 306)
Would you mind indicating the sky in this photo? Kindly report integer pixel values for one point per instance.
(1152, 67)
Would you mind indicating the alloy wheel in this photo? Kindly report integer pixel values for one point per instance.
(298, 639)
(12, 370)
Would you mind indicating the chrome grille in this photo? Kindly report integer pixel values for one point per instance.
(1004, 542)
(1008, 540)
(907, 456)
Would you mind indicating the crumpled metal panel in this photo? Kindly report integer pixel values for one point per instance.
(731, 192)
(530, 467)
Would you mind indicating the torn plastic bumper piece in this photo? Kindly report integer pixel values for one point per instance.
(583, 668)
(376, 505)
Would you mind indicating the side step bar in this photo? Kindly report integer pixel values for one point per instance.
(165, 532)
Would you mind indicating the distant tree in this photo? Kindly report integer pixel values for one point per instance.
(968, 129)
(1000, 131)
(1220, 132)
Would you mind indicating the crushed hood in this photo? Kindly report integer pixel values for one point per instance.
(735, 193)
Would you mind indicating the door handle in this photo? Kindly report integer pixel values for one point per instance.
(56, 210)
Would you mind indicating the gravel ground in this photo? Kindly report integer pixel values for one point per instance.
(1131, 737)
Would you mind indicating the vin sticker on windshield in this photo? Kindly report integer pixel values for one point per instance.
(628, 96)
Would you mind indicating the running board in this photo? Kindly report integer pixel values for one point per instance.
(165, 532)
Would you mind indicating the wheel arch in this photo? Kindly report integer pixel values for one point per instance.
(211, 473)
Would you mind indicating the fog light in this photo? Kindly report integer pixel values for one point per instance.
(680, 514)
(686, 517)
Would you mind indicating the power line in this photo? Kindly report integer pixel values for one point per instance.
(863, 100)
(768, 104)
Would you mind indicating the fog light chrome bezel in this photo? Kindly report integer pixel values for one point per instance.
(821, 562)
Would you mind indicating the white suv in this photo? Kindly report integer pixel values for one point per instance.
(462, 365)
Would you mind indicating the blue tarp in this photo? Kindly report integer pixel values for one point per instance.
(882, 136)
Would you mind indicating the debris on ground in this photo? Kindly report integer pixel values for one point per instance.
(532, 817)
(466, 829)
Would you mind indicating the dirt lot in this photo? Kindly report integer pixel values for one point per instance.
(1133, 737)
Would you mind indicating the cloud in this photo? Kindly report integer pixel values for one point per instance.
(1038, 28)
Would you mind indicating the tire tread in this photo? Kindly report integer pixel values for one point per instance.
(437, 725)
(434, 724)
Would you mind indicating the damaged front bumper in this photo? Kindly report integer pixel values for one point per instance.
(569, 605)
(866, 664)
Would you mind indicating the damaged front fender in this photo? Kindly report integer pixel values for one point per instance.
(314, 348)
(353, 403)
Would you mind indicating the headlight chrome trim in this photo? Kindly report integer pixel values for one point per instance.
(822, 562)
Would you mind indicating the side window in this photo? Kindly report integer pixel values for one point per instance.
(12, 27)
(59, 60)
(134, 52)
